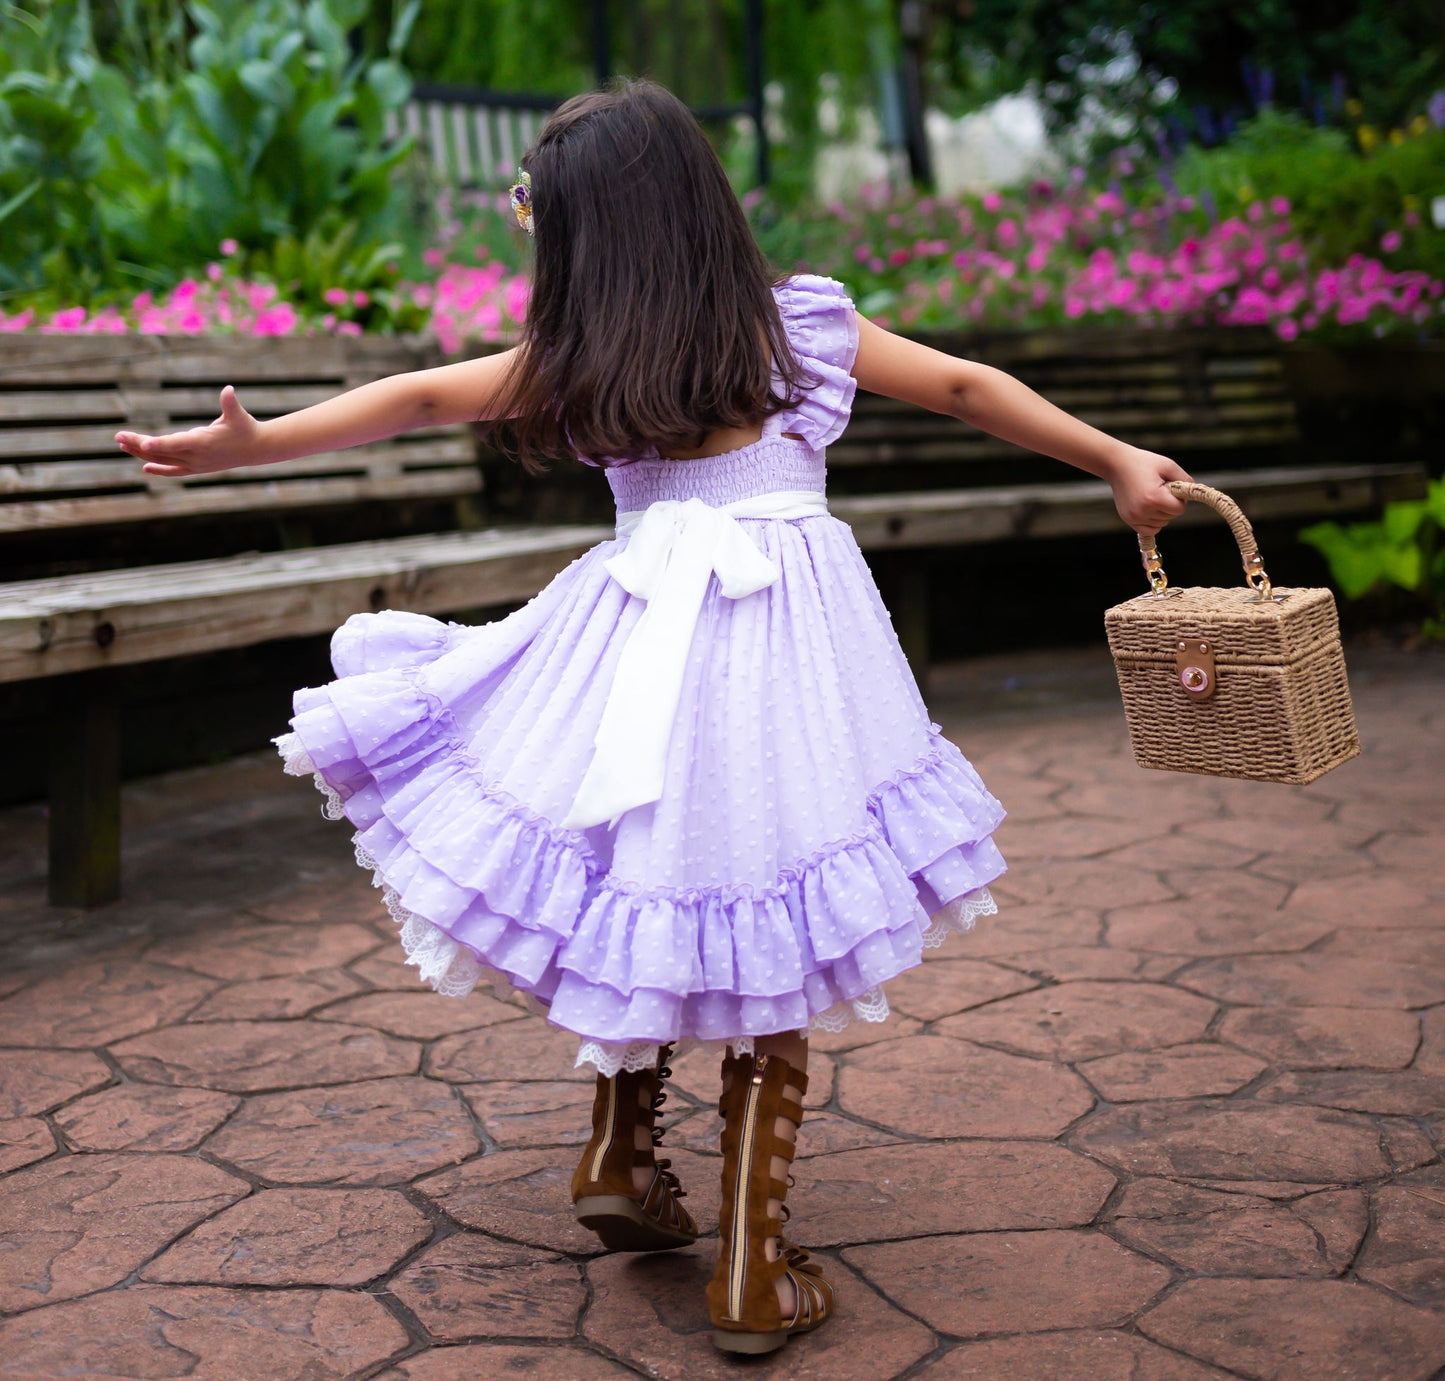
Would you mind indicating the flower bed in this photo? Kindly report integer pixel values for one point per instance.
(1044, 257)
(1058, 256)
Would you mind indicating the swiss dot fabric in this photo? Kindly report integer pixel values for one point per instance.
(812, 821)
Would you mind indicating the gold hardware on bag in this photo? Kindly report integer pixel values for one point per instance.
(1194, 662)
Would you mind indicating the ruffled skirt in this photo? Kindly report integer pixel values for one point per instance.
(815, 831)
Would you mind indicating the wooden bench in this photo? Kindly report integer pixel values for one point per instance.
(1217, 399)
(63, 398)
(1207, 391)
(66, 493)
(77, 627)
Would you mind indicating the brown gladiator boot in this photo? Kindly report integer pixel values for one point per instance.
(743, 1294)
(603, 1188)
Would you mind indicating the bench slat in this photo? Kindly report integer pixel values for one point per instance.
(30, 515)
(126, 473)
(969, 448)
(1205, 419)
(943, 518)
(49, 627)
(60, 404)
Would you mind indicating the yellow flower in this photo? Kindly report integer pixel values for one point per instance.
(1419, 125)
(1397, 136)
(1246, 194)
(1353, 108)
(1410, 201)
(1367, 137)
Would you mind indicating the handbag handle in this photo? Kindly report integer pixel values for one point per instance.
(1254, 573)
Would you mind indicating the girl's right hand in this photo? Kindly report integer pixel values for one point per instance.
(232, 440)
(1140, 481)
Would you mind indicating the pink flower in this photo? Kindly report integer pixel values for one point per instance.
(349, 328)
(432, 258)
(897, 258)
(1280, 206)
(991, 202)
(336, 297)
(229, 247)
(281, 320)
(516, 296)
(360, 298)
(1286, 328)
(1390, 241)
(71, 319)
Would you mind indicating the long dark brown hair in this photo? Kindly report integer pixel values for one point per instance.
(651, 320)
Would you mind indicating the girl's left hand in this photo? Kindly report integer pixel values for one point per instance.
(1138, 479)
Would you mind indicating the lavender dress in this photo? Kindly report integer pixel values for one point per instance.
(815, 831)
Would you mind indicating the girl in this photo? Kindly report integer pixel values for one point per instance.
(690, 791)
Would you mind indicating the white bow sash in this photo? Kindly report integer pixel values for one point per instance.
(676, 548)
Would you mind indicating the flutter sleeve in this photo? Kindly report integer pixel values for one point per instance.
(822, 325)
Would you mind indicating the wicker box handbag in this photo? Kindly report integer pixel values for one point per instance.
(1243, 682)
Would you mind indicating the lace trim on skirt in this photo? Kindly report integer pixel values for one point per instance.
(454, 970)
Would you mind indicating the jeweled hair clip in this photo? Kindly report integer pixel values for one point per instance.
(522, 200)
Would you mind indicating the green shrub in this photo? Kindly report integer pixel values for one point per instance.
(263, 126)
(1404, 548)
(1347, 192)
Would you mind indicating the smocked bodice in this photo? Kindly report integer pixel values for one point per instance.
(822, 328)
(769, 464)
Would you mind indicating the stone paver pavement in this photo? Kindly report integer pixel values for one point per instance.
(1175, 1114)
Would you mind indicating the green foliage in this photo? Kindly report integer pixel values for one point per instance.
(1342, 200)
(1389, 52)
(51, 149)
(1405, 548)
(262, 125)
(330, 263)
(695, 47)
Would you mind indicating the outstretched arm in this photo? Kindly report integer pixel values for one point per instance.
(999, 404)
(424, 398)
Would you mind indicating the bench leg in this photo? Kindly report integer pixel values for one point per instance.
(905, 592)
(85, 793)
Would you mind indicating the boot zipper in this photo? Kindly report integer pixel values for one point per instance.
(738, 1265)
(608, 1128)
